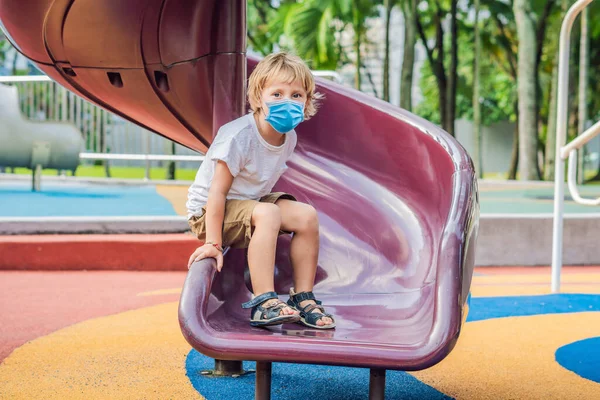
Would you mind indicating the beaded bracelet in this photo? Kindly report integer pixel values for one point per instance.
(216, 246)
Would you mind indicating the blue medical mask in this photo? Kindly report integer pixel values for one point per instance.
(285, 115)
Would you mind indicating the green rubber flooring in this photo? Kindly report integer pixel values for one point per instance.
(501, 199)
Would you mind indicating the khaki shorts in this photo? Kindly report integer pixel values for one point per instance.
(237, 222)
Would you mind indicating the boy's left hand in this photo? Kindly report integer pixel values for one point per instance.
(207, 251)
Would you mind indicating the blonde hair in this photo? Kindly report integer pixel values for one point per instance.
(287, 68)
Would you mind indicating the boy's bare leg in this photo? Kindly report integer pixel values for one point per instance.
(266, 219)
(302, 219)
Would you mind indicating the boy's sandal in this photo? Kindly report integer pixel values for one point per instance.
(269, 315)
(307, 316)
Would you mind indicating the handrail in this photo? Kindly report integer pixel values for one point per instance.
(572, 182)
(580, 141)
(24, 78)
(138, 157)
(333, 75)
(570, 151)
(561, 133)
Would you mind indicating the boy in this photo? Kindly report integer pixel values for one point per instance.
(230, 202)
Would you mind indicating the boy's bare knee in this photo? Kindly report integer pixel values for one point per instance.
(309, 221)
(267, 215)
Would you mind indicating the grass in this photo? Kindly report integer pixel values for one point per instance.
(503, 176)
(97, 171)
(158, 173)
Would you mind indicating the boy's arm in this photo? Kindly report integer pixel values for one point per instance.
(215, 206)
(215, 213)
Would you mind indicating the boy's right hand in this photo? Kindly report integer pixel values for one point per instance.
(207, 251)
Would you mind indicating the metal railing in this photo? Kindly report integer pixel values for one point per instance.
(139, 157)
(106, 135)
(566, 151)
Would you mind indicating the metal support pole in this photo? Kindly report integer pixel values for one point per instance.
(561, 134)
(63, 104)
(263, 380)
(147, 173)
(228, 368)
(584, 44)
(222, 368)
(377, 384)
(36, 178)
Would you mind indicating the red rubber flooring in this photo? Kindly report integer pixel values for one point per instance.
(36, 303)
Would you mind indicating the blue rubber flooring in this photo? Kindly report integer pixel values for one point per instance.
(81, 199)
(322, 382)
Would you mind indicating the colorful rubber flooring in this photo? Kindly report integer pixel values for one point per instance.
(69, 199)
(115, 335)
(87, 198)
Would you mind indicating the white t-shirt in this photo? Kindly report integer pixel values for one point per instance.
(255, 164)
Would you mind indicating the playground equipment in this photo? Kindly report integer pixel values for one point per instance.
(569, 150)
(396, 196)
(32, 144)
(398, 210)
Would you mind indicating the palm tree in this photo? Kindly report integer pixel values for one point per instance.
(409, 9)
(309, 28)
(431, 20)
(476, 95)
(528, 169)
(549, 160)
(389, 6)
(312, 29)
(584, 64)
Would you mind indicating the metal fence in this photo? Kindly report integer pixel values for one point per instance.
(42, 99)
(106, 135)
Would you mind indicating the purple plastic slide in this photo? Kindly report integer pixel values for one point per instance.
(398, 212)
(396, 196)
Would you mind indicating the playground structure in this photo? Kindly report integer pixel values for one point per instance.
(396, 196)
(398, 290)
(35, 145)
(359, 274)
(568, 151)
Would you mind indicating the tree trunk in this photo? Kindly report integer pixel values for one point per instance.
(528, 166)
(514, 157)
(408, 56)
(476, 97)
(549, 160)
(357, 42)
(103, 128)
(442, 87)
(14, 63)
(389, 5)
(583, 84)
(541, 29)
(550, 151)
(171, 165)
(452, 74)
(435, 57)
(439, 69)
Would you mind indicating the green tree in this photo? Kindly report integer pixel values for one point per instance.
(260, 36)
(312, 30)
(477, 94)
(429, 20)
(584, 45)
(388, 6)
(409, 10)
(528, 168)
(549, 159)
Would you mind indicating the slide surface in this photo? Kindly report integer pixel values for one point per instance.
(398, 214)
